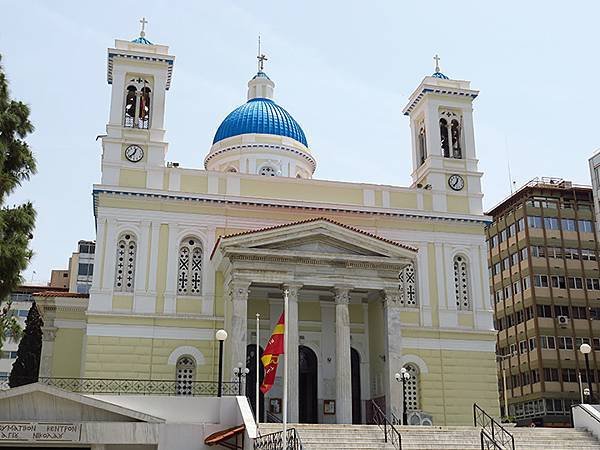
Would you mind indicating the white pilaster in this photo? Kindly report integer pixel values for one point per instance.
(239, 322)
(393, 351)
(172, 265)
(291, 327)
(343, 394)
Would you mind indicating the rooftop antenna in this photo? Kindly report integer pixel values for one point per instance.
(510, 180)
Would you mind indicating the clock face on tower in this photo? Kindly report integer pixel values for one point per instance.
(134, 153)
(456, 182)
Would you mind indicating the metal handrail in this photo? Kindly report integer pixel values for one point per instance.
(496, 432)
(389, 430)
(486, 441)
(274, 441)
(125, 386)
(272, 418)
(586, 411)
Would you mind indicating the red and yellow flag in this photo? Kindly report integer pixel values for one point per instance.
(270, 358)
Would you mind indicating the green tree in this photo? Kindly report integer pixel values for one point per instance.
(26, 368)
(17, 164)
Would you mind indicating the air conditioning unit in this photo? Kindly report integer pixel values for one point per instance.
(563, 321)
(419, 418)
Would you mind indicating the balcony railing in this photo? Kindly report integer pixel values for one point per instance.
(122, 386)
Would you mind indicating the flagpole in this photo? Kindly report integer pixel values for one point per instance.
(256, 404)
(285, 372)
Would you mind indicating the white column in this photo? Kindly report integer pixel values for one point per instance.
(153, 269)
(343, 382)
(393, 351)
(239, 322)
(47, 356)
(291, 328)
(110, 255)
(99, 256)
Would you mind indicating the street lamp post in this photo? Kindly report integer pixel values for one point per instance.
(403, 377)
(586, 350)
(501, 359)
(240, 372)
(221, 335)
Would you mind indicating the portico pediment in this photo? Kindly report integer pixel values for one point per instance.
(39, 402)
(321, 237)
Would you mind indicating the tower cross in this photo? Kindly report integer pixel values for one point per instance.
(143, 21)
(437, 62)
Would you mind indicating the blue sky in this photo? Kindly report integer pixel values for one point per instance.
(343, 69)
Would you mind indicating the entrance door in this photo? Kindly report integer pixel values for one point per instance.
(307, 385)
(251, 380)
(356, 402)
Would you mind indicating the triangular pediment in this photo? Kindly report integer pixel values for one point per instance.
(317, 237)
(38, 402)
(320, 243)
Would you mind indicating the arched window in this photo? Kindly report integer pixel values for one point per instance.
(408, 287)
(461, 283)
(138, 102)
(444, 137)
(422, 146)
(267, 171)
(412, 388)
(125, 267)
(185, 375)
(189, 279)
(455, 132)
(130, 101)
(144, 115)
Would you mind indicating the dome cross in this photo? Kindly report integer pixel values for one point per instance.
(143, 21)
(261, 57)
(437, 62)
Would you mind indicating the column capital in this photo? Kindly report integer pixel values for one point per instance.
(342, 294)
(239, 290)
(391, 297)
(292, 287)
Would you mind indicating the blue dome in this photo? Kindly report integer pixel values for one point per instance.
(142, 40)
(440, 75)
(260, 115)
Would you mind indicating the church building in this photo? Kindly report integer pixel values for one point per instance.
(379, 277)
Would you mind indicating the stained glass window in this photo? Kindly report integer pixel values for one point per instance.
(125, 266)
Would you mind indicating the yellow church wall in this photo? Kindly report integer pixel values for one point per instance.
(219, 305)
(292, 189)
(427, 201)
(122, 302)
(194, 181)
(466, 320)
(187, 305)
(309, 311)
(222, 185)
(166, 179)
(356, 313)
(141, 358)
(378, 198)
(257, 306)
(132, 178)
(457, 204)
(406, 200)
(376, 346)
(455, 380)
(67, 353)
(412, 317)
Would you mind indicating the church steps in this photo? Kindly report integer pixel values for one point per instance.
(353, 437)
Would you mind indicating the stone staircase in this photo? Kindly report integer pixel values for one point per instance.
(346, 437)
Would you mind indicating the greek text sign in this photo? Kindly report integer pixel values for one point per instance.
(40, 432)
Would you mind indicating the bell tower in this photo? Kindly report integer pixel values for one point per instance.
(443, 143)
(134, 147)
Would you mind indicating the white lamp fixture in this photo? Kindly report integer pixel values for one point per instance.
(221, 335)
(585, 349)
